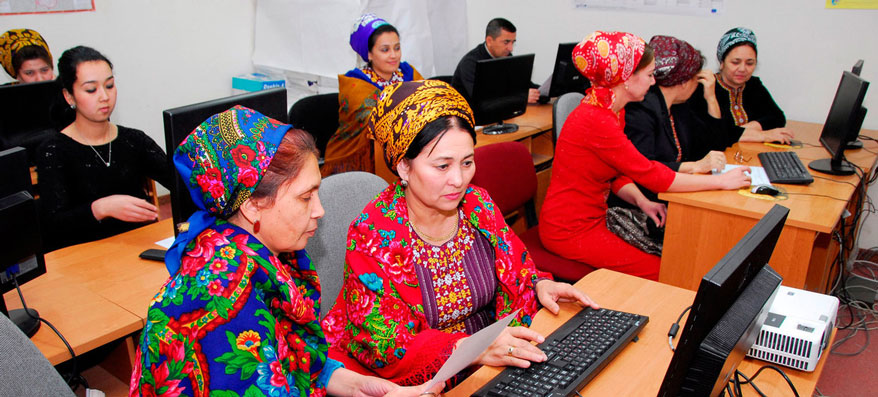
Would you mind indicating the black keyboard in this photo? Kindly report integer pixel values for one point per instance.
(577, 351)
(785, 167)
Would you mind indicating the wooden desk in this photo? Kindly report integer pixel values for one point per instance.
(96, 293)
(702, 226)
(640, 368)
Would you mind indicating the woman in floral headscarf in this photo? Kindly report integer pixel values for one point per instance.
(593, 157)
(749, 113)
(239, 312)
(25, 56)
(377, 43)
(431, 259)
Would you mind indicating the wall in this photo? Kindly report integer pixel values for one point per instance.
(803, 47)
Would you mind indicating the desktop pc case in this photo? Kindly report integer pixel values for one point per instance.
(797, 329)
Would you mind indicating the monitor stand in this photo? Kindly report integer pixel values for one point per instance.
(855, 144)
(826, 166)
(500, 128)
(29, 324)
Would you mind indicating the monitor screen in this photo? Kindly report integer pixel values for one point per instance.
(500, 89)
(842, 117)
(29, 113)
(728, 311)
(181, 121)
(16, 173)
(565, 77)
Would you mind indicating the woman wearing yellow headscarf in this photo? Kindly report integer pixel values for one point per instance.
(25, 56)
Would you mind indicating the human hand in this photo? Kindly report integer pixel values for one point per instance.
(714, 160)
(550, 292)
(735, 178)
(124, 208)
(782, 135)
(513, 348)
(706, 78)
(373, 387)
(533, 95)
(656, 211)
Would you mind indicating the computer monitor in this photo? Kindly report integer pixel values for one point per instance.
(854, 133)
(30, 113)
(842, 118)
(21, 259)
(730, 307)
(181, 121)
(565, 77)
(500, 91)
(858, 67)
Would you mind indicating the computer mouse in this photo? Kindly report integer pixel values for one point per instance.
(765, 189)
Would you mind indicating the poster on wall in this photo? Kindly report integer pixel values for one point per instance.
(17, 7)
(678, 7)
(853, 4)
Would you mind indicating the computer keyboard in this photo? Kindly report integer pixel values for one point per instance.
(577, 351)
(785, 167)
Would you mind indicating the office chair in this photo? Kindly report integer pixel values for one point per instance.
(343, 197)
(24, 371)
(561, 109)
(506, 171)
(317, 114)
(445, 78)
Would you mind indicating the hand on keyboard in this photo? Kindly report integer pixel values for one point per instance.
(551, 292)
(513, 348)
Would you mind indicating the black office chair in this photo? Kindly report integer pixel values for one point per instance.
(317, 114)
(445, 78)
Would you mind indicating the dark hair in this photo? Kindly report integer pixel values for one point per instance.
(28, 53)
(437, 128)
(286, 164)
(378, 32)
(71, 59)
(496, 25)
(747, 43)
(646, 59)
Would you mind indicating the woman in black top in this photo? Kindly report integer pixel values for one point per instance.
(93, 174)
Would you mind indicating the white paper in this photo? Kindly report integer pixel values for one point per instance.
(469, 349)
(757, 174)
(165, 243)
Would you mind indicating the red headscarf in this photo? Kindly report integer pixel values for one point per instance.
(676, 61)
(607, 59)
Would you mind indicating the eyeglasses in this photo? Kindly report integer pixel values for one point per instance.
(739, 157)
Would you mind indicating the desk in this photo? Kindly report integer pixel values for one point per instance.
(702, 226)
(640, 368)
(96, 293)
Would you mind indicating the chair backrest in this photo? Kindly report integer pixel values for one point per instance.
(317, 114)
(24, 371)
(562, 108)
(506, 171)
(445, 78)
(343, 197)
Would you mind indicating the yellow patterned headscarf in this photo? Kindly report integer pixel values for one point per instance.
(404, 109)
(16, 39)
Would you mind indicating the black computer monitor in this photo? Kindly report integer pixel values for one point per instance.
(181, 121)
(30, 113)
(565, 77)
(730, 307)
(854, 133)
(500, 91)
(843, 116)
(21, 259)
(858, 67)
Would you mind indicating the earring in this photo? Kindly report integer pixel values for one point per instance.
(626, 86)
(256, 226)
(73, 106)
(404, 183)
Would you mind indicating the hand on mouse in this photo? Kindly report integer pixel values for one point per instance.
(781, 135)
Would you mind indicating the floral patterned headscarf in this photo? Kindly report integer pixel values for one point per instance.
(676, 61)
(732, 38)
(404, 109)
(14, 40)
(607, 59)
(366, 25)
(222, 161)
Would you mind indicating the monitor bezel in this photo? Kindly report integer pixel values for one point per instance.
(517, 70)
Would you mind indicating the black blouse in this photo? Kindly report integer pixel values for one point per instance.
(758, 104)
(72, 176)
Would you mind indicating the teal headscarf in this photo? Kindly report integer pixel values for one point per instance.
(732, 38)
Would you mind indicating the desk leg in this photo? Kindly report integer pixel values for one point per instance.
(120, 362)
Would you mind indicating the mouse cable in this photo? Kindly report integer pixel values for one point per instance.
(675, 327)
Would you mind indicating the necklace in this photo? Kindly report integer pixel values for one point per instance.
(110, 145)
(432, 238)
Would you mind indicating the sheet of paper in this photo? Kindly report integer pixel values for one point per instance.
(166, 243)
(757, 174)
(469, 349)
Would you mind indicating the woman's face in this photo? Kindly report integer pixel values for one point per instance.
(738, 66)
(33, 70)
(640, 81)
(385, 54)
(439, 176)
(287, 225)
(94, 91)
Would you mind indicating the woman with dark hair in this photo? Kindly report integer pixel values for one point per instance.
(25, 56)
(431, 260)
(593, 157)
(377, 43)
(94, 174)
(238, 315)
(749, 113)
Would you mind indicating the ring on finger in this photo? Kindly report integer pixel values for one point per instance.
(510, 351)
